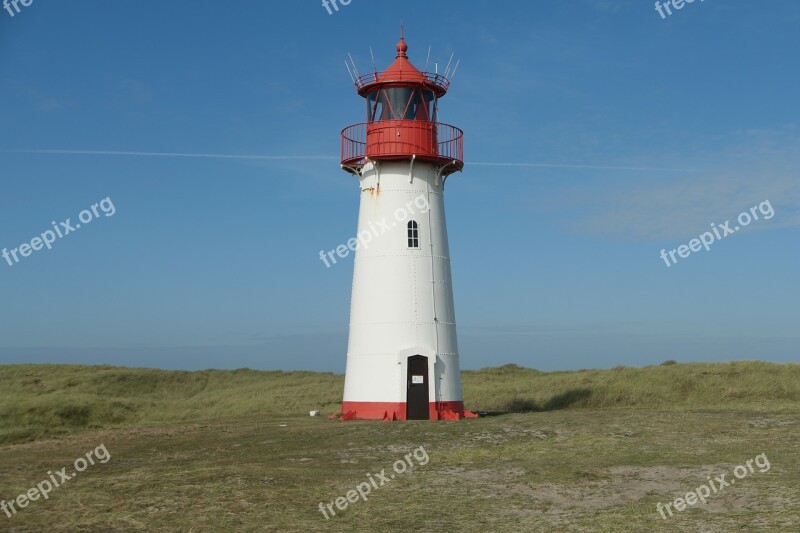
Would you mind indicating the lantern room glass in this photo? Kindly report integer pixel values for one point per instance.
(401, 103)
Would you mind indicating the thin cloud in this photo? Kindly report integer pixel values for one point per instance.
(592, 167)
(752, 167)
(171, 154)
(686, 206)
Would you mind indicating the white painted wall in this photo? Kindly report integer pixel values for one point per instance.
(402, 299)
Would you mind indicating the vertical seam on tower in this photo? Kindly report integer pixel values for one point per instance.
(416, 301)
(437, 389)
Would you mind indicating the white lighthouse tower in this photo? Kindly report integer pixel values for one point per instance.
(402, 356)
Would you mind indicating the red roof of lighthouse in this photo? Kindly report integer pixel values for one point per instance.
(402, 69)
(402, 73)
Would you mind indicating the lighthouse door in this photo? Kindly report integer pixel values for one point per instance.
(417, 395)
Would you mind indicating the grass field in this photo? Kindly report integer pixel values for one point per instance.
(591, 450)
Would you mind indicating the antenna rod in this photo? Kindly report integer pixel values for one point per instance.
(427, 59)
(453, 76)
(354, 64)
(351, 74)
(448, 64)
(374, 66)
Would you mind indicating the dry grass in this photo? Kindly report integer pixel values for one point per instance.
(224, 451)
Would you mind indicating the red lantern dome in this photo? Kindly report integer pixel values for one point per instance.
(402, 106)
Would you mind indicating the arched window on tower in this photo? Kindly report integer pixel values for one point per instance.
(413, 234)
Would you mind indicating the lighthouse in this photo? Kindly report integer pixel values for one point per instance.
(402, 353)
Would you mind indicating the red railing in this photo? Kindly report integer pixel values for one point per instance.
(438, 80)
(452, 147)
(400, 139)
(354, 145)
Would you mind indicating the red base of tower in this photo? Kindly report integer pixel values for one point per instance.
(397, 411)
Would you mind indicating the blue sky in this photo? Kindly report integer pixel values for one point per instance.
(596, 135)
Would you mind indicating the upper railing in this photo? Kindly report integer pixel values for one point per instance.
(402, 139)
(439, 81)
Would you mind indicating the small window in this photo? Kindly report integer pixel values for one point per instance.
(413, 234)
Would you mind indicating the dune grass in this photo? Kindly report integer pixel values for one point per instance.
(50, 400)
(511, 388)
(591, 450)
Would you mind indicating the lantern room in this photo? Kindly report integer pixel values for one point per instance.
(401, 112)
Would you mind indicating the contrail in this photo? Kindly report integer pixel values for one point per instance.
(325, 158)
(168, 154)
(595, 167)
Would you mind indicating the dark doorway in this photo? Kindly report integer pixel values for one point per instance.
(417, 392)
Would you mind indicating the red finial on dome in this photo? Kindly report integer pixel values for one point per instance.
(402, 47)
